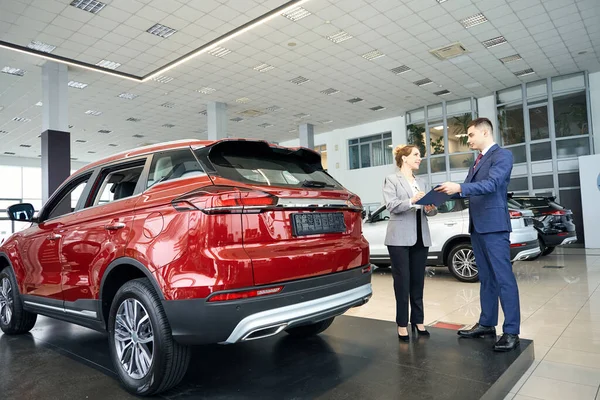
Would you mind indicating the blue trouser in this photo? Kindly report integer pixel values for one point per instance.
(492, 255)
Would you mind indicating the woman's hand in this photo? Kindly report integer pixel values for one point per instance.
(417, 197)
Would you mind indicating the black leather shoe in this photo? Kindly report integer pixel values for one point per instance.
(507, 342)
(420, 332)
(403, 338)
(477, 331)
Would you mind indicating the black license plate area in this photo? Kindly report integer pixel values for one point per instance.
(316, 223)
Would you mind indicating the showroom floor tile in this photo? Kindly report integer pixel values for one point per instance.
(560, 311)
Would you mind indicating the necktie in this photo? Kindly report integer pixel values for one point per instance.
(477, 160)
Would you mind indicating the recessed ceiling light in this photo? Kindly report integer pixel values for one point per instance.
(137, 135)
(441, 1)
(250, 113)
(41, 46)
(128, 96)
(132, 119)
(203, 112)
(113, 145)
(77, 85)
(263, 67)
(93, 112)
(24, 145)
(108, 64)
(355, 100)
(400, 70)
(302, 115)
(3, 132)
(168, 125)
(9, 153)
(91, 152)
(13, 71)
(340, 37)
(206, 90)
(377, 108)
(299, 80)
(296, 14)
(237, 119)
(39, 104)
(80, 141)
(219, 51)
(442, 92)
(92, 6)
(21, 119)
(73, 158)
(265, 125)
(326, 121)
(509, 59)
(161, 30)
(423, 82)
(372, 55)
(473, 20)
(439, 128)
(242, 100)
(168, 104)
(497, 41)
(104, 131)
(525, 72)
(273, 108)
(330, 91)
(162, 79)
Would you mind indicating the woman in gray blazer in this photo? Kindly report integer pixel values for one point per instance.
(407, 238)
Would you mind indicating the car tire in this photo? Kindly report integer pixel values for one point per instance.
(461, 263)
(548, 250)
(147, 360)
(14, 320)
(312, 329)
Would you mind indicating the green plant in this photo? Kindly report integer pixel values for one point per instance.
(415, 137)
(461, 124)
(437, 146)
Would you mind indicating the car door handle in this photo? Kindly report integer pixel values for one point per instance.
(114, 226)
(54, 236)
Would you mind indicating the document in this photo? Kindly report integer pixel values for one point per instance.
(435, 198)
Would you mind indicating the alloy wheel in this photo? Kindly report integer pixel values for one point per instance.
(6, 301)
(463, 263)
(134, 338)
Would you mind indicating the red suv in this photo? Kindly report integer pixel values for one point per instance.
(187, 243)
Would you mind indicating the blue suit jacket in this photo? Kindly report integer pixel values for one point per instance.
(487, 186)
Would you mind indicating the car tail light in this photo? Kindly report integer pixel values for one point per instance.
(562, 234)
(518, 244)
(515, 214)
(556, 212)
(225, 200)
(246, 294)
(367, 269)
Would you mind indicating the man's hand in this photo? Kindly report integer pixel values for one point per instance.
(430, 208)
(449, 188)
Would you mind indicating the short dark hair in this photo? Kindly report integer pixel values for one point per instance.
(482, 123)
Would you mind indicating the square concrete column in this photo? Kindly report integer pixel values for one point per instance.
(307, 135)
(56, 140)
(216, 115)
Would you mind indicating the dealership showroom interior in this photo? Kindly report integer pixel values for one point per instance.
(300, 199)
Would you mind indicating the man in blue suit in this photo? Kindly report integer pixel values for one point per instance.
(486, 187)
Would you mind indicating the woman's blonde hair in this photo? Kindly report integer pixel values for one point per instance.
(402, 150)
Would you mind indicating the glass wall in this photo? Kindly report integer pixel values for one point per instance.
(546, 126)
(440, 132)
(370, 151)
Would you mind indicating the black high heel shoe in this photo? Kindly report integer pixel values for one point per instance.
(419, 332)
(403, 338)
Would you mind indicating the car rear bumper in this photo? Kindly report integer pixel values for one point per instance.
(558, 240)
(301, 302)
(527, 250)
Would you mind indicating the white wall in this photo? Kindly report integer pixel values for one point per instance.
(486, 107)
(367, 183)
(594, 82)
(33, 162)
(589, 175)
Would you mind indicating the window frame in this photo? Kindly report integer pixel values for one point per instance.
(358, 145)
(63, 190)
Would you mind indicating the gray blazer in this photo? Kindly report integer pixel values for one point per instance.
(402, 226)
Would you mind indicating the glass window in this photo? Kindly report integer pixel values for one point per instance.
(458, 107)
(538, 123)
(461, 161)
(365, 155)
(457, 133)
(541, 151)
(12, 182)
(371, 151)
(543, 181)
(416, 136)
(436, 137)
(511, 125)
(322, 150)
(537, 92)
(438, 164)
(173, 164)
(422, 167)
(67, 200)
(354, 157)
(573, 147)
(519, 154)
(415, 115)
(570, 114)
(509, 95)
(33, 179)
(568, 179)
(568, 82)
(435, 111)
(118, 184)
(517, 184)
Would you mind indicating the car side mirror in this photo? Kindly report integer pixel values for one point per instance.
(22, 212)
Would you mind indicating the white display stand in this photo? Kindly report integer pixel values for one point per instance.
(589, 177)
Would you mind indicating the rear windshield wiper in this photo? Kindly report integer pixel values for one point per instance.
(316, 184)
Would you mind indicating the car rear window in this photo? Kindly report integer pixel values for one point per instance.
(260, 164)
(531, 202)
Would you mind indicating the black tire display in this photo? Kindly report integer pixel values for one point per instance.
(143, 351)
(312, 329)
(14, 319)
(461, 263)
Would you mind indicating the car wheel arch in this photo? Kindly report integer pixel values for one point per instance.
(451, 243)
(118, 273)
